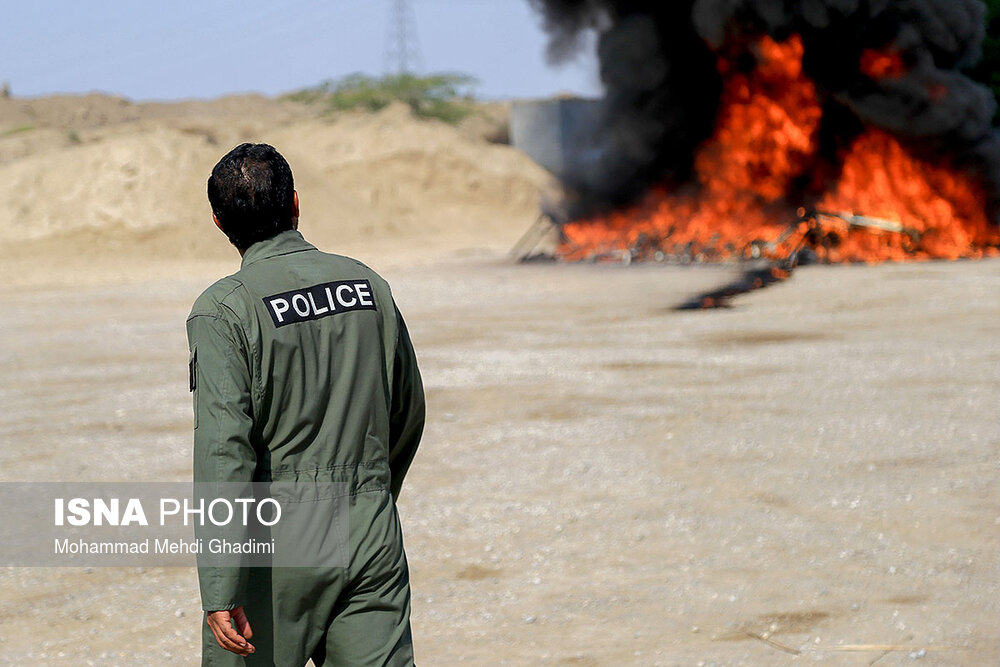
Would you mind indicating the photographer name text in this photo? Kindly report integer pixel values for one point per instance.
(164, 546)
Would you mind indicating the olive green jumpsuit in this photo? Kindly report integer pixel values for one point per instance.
(302, 370)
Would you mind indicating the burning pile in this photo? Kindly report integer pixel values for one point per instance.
(758, 128)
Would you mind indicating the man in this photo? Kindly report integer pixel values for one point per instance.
(302, 368)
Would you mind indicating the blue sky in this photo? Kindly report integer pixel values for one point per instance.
(203, 48)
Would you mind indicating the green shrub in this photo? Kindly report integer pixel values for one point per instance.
(445, 96)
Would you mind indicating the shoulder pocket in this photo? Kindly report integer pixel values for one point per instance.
(193, 381)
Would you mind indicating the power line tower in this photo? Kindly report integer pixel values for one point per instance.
(402, 50)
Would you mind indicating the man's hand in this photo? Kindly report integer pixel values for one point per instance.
(221, 624)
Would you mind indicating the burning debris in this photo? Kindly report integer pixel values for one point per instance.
(829, 130)
(807, 240)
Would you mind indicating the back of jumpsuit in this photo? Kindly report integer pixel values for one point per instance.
(288, 390)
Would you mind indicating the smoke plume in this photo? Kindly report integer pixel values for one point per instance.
(658, 66)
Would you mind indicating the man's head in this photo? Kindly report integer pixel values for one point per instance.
(252, 195)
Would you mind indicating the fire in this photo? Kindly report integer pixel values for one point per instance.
(763, 162)
(944, 211)
(882, 64)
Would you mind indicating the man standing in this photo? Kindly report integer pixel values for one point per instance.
(302, 369)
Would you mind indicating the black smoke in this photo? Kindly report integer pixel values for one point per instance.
(658, 66)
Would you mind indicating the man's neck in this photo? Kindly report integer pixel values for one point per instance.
(295, 227)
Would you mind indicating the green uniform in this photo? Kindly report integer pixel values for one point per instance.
(302, 370)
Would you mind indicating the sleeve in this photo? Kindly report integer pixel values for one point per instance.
(223, 454)
(406, 414)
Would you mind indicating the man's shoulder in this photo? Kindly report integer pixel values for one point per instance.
(356, 265)
(343, 260)
(215, 299)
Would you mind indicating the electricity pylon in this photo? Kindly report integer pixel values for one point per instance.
(402, 51)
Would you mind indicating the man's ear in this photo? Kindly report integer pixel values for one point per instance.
(217, 223)
(295, 209)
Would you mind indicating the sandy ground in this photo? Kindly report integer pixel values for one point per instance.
(603, 481)
(807, 477)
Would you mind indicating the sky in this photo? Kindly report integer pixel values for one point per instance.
(147, 50)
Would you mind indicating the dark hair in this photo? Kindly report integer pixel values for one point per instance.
(251, 192)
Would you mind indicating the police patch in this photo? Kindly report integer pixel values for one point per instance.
(323, 300)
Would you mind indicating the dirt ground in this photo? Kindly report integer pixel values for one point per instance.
(810, 476)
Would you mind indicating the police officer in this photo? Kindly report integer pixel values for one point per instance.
(302, 368)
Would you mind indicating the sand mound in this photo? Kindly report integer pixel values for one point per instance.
(136, 177)
(88, 112)
(136, 183)
(425, 179)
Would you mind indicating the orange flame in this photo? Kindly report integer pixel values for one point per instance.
(882, 64)
(939, 204)
(766, 141)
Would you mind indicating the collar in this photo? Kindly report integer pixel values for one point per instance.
(285, 243)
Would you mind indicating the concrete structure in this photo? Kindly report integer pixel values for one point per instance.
(555, 133)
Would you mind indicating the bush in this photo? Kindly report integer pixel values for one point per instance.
(446, 96)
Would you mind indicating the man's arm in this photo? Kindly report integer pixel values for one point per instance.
(406, 414)
(220, 381)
